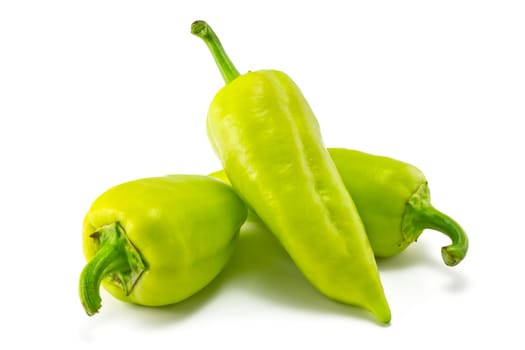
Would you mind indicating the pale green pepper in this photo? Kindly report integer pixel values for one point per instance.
(157, 241)
(268, 140)
(393, 200)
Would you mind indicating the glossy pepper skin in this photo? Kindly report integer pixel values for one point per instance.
(270, 145)
(157, 241)
(396, 205)
(393, 200)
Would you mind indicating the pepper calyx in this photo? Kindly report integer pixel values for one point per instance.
(410, 230)
(117, 261)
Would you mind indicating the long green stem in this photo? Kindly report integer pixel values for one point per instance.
(430, 217)
(115, 257)
(422, 215)
(206, 33)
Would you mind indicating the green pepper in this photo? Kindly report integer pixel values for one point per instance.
(157, 241)
(269, 143)
(393, 200)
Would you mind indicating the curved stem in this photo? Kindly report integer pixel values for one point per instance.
(431, 218)
(206, 33)
(420, 215)
(112, 258)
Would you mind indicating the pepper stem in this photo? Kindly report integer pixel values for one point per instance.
(115, 258)
(422, 215)
(206, 33)
(434, 219)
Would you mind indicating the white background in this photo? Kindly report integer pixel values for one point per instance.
(95, 93)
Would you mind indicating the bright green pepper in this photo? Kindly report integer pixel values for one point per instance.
(157, 241)
(393, 200)
(270, 145)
